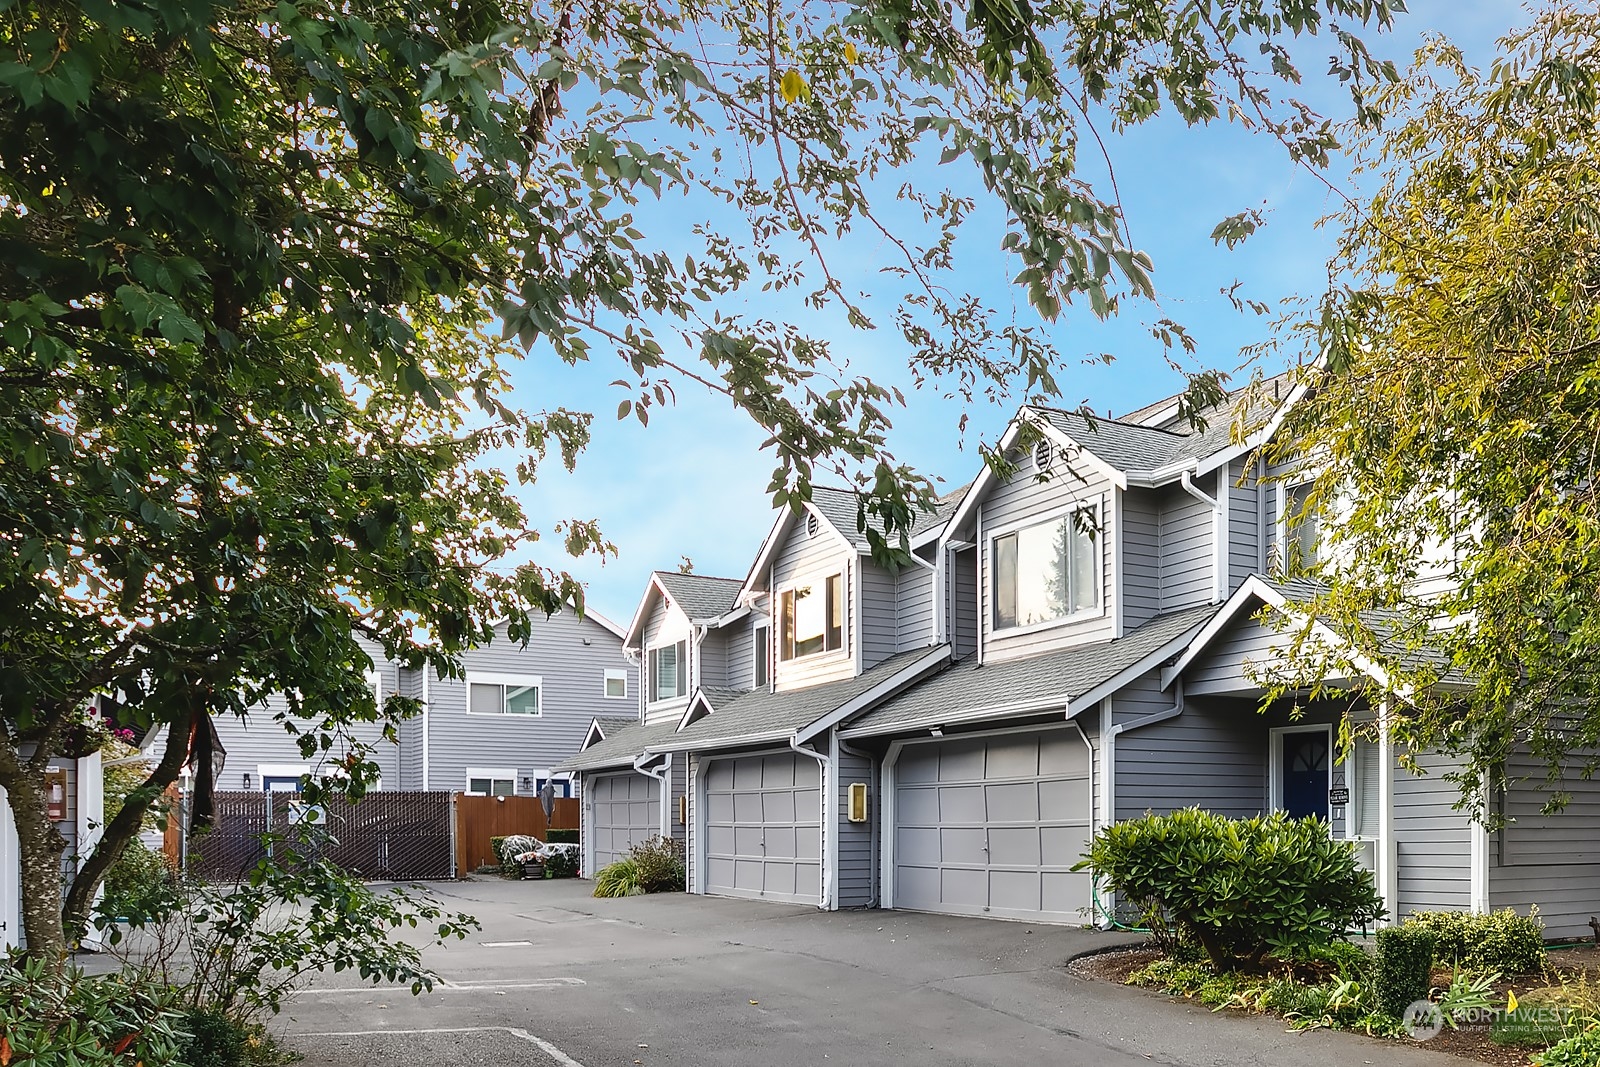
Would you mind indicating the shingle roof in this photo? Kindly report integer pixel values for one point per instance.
(1392, 628)
(761, 714)
(620, 747)
(611, 724)
(1128, 446)
(840, 508)
(965, 690)
(700, 596)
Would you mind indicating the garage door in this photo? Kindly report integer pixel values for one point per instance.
(763, 828)
(626, 810)
(991, 826)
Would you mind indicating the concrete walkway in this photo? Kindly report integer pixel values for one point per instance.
(557, 977)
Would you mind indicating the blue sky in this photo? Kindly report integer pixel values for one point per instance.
(692, 482)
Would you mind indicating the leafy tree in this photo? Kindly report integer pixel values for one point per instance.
(1454, 427)
(255, 258)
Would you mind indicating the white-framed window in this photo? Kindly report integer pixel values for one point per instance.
(812, 618)
(616, 685)
(1047, 571)
(492, 781)
(504, 694)
(669, 671)
(375, 684)
(1298, 530)
(1365, 796)
(761, 668)
(282, 777)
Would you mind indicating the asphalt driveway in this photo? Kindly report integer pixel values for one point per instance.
(557, 977)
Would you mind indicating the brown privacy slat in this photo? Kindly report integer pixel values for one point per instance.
(385, 835)
(480, 818)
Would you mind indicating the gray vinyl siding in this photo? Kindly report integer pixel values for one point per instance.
(739, 652)
(808, 558)
(1549, 860)
(1186, 560)
(679, 784)
(1244, 533)
(1222, 669)
(1433, 843)
(263, 738)
(1019, 502)
(856, 859)
(1141, 557)
(880, 599)
(409, 757)
(1214, 755)
(571, 657)
(963, 626)
(666, 624)
(914, 608)
(712, 659)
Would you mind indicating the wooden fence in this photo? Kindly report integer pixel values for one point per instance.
(480, 818)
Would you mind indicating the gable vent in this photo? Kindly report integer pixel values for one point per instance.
(1044, 454)
(813, 525)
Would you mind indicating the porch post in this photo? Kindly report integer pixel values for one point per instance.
(1388, 882)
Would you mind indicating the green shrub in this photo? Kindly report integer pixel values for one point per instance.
(561, 864)
(1344, 959)
(1240, 887)
(137, 882)
(90, 1021)
(561, 837)
(497, 845)
(1404, 968)
(619, 879)
(1497, 941)
(1580, 1050)
(660, 864)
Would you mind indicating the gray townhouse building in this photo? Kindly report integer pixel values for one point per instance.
(518, 711)
(1077, 644)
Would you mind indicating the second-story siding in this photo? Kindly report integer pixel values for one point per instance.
(878, 614)
(1246, 517)
(914, 593)
(1141, 557)
(570, 657)
(963, 614)
(1024, 500)
(809, 559)
(1186, 558)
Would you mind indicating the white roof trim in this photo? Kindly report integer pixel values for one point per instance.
(981, 483)
(1118, 477)
(1259, 437)
(1256, 588)
(698, 698)
(1110, 686)
(901, 678)
(589, 613)
(639, 613)
(985, 714)
(775, 538)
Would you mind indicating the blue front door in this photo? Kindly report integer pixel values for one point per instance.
(1304, 785)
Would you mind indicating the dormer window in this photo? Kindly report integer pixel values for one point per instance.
(1047, 571)
(812, 618)
(669, 671)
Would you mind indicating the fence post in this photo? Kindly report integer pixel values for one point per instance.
(455, 832)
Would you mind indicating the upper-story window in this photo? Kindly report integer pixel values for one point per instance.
(1300, 531)
(762, 657)
(616, 684)
(1047, 571)
(812, 617)
(503, 694)
(669, 671)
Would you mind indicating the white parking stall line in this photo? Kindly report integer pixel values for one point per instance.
(522, 1035)
(444, 987)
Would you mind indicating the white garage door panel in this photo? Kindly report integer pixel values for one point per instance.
(763, 832)
(626, 811)
(992, 826)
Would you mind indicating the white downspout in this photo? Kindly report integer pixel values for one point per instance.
(664, 778)
(1388, 883)
(874, 781)
(829, 803)
(1108, 748)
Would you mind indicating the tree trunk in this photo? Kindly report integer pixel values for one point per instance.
(40, 847)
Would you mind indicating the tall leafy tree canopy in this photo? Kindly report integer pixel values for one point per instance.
(1455, 427)
(257, 258)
